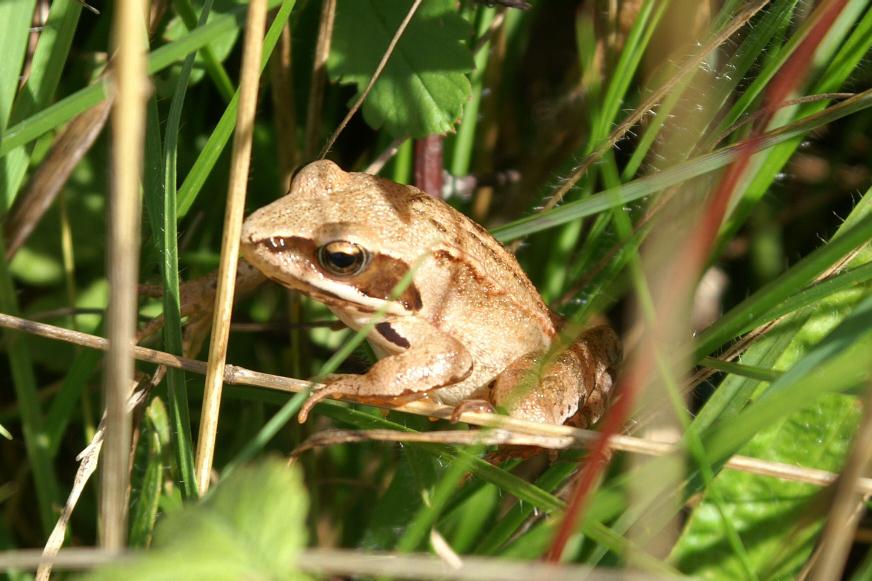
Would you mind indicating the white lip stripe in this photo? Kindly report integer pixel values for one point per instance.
(354, 296)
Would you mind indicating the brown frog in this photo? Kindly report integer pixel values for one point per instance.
(468, 326)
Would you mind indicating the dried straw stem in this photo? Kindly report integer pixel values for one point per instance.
(848, 502)
(343, 563)
(249, 78)
(128, 122)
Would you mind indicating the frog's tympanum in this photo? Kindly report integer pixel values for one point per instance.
(458, 320)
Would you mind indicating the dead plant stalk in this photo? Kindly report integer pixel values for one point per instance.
(128, 123)
(238, 183)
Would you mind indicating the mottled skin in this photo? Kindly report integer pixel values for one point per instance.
(469, 326)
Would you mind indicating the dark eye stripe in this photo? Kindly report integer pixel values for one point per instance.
(382, 276)
(377, 280)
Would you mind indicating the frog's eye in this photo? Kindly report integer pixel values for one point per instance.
(343, 258)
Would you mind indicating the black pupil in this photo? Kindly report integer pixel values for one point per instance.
(342, 260)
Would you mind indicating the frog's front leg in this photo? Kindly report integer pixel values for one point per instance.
(424, 359)
(572, 388)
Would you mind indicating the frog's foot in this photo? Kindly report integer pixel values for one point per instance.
(345, 385)
(331, 390)
(471, 405)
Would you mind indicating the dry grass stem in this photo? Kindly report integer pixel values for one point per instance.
(88, 460)
(846, 511)
(495, 437)
(238, 183)
(333, 562)
(373, 79)
(69, 559)
(319, 78)
(236, 375)
(337, 562)
(128, 123)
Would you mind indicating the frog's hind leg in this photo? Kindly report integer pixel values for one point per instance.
(574, 385)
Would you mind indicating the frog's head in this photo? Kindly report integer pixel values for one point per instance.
(340, 237)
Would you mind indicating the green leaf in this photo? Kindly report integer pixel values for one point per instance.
(251, 526)
(424, 86)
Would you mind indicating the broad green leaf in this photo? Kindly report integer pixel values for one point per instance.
(251, 526)
(424, 86)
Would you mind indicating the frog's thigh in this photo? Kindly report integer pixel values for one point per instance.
(574, 386)
(529, 393)
(430, 360)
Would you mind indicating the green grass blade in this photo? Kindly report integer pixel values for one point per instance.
(148, 476)
(213, 66)
(424, 520)
(849, 55)
(748, 313)
(63, 405)
(15, 16)
(749, 371)
(82, 100)
(837, 364)
(677, 174)
(15, 19)
(46, 68)
(164, 202)
(854, 277)
(464, 140)
(644, 25)
(218, 139)
(32, 421)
